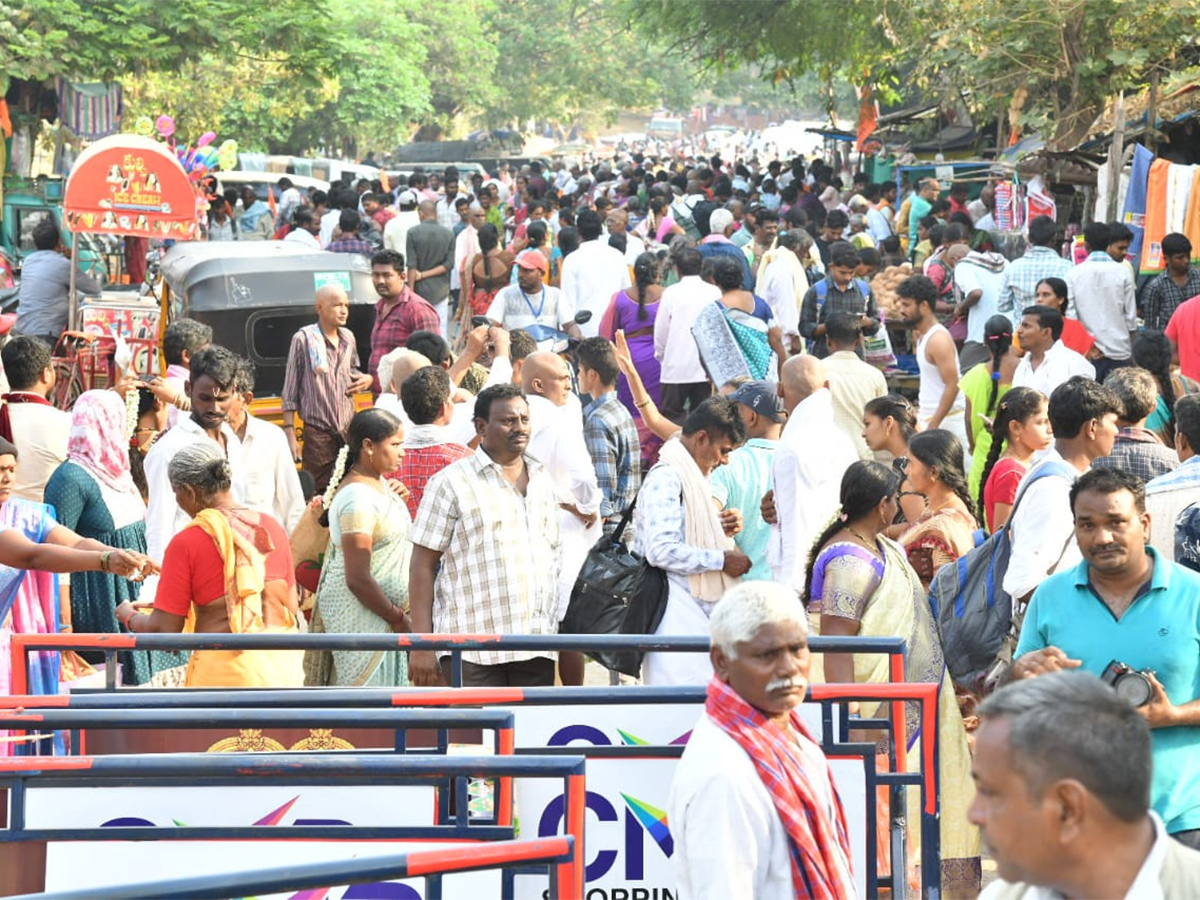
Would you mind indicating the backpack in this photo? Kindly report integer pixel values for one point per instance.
(974, 613)
(682, 214)
(701, 213)
(822, 289)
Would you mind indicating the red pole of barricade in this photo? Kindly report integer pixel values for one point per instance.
(926, 694)
(504, 797)
(899, 725)
(569, 877)
(20, 673)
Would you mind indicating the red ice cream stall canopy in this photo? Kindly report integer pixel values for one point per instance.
(128, 184)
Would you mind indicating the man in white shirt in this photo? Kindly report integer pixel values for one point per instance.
(306, 230)
(211, 384)
(783, 285)
(28, 419)
(466, 244)
(750, 757)
(395, 232)
(1103, 293)
(272, 482)
(1083, 415)
(1047, 362)
(852, 382)
(593, 273)
(618, 223)
(446, 212)
(684, 384)
(532, 304)
(979, 278)
(556, 441)
(1066, 742)
(813, 455)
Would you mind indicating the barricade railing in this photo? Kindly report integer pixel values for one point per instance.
(451, 644)
(19, 774)
(398, 720)
(418, 863)
(834, 729)
(834, 733)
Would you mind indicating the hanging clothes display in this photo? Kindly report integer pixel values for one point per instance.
(1178, 194)
(92, 110)
(1133, 213)
(1158, 185)
(1191, 217)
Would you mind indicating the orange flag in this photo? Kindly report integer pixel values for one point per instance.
(868, 116)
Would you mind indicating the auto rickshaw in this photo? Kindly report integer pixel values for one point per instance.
(257, 294)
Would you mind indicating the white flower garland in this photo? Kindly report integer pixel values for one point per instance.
(335, 477)
(131, 412)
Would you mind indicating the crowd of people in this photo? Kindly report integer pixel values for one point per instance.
(558, 350)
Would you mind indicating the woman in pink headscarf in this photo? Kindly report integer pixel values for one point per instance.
(93, 494)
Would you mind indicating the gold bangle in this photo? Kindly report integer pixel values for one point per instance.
(643, 404)
(104, 567)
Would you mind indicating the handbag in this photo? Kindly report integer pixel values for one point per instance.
(309, 541)
(617, 592)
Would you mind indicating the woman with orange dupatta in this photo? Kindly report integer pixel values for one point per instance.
(229, 572)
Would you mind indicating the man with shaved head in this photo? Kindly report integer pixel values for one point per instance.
(320, 383)
(813, 455)
(556, 440)
(429, 249)
(393, 369)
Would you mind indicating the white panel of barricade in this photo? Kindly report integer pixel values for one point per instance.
(627, 836)
(88, 865)
(83, 865)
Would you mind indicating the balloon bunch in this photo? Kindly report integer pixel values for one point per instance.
(201, 159)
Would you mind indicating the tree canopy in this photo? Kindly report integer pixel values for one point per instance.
(1052, 63)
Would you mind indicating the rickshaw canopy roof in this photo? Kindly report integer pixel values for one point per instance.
(129, 184)
(227, 275)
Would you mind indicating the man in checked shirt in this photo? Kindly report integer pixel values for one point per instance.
(486, 550)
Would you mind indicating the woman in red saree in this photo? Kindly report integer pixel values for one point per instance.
(229, 572)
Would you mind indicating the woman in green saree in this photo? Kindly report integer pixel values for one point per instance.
(860, 583)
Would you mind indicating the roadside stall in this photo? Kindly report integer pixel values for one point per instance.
(125, 185)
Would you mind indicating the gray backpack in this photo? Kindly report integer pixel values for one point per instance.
(974, 613)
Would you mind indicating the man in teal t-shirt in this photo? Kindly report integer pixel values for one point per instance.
(922, 205)
(1126, 603)
(741, 483)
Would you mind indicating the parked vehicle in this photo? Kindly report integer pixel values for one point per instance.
(256, 295)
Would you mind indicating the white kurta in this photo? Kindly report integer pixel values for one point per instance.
(556, 441)
(729, 840)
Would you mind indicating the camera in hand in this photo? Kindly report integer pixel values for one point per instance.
(1132, 685)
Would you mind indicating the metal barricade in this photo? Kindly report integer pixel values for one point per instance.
(452, 644)
(342, 769)
(320, 875)
(398, 720)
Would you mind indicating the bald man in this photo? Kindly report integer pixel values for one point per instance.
(429, 249)
(556, 440)
(320, 383)
(813, 455)
(394, 368)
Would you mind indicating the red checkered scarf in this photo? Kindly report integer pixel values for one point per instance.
(813, 840)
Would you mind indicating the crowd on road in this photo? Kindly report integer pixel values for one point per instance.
(698, 343)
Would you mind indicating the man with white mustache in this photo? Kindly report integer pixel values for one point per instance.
(753, 809)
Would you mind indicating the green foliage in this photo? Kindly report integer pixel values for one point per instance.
(462, 59)
(566, 60)
(102, 40)
(1054, 62)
